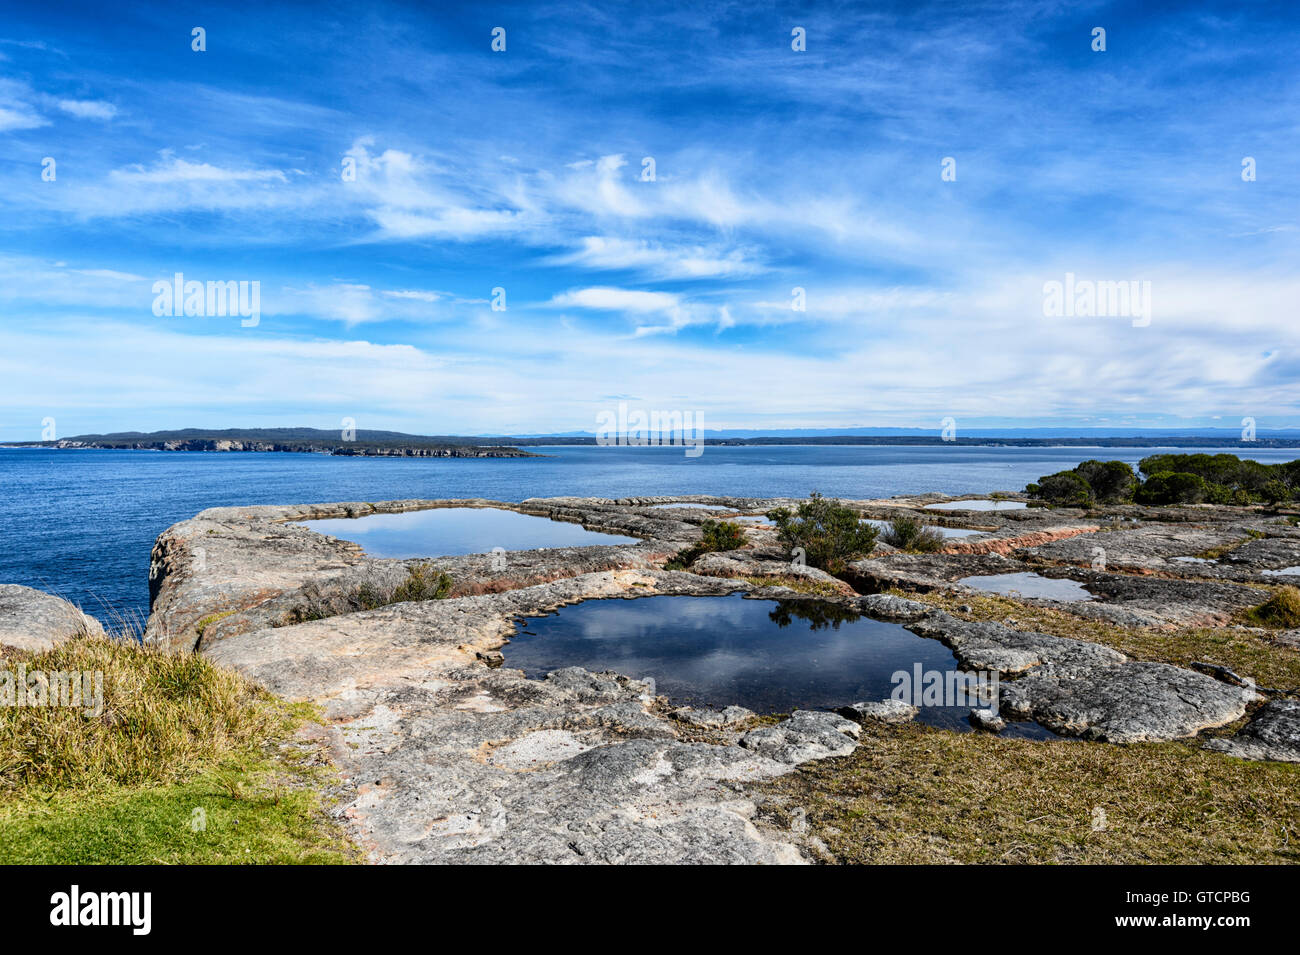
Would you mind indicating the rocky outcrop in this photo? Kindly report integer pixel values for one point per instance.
(884, 711)
(449, 756)
(1074, 687)
(34, 620)
(236, 569)
(1273, 733)
(448, 759)
(1122, 599)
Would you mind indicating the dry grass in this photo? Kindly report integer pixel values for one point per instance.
(164, 716)
(1279, 612)
(913, 794)
(1245, 652)
(175, 734)
(802, 585)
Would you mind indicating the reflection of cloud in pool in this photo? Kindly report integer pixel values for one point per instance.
(450, 531)
(1029, 585)
(762, 654)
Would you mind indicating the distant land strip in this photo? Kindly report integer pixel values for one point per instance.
(396, 444)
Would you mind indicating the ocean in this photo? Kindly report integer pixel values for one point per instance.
(80, 523)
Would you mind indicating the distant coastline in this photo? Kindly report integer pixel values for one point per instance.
(396, 444)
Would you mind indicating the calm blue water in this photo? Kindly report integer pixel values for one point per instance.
(81, 523)
(449, 531)
(770, 656)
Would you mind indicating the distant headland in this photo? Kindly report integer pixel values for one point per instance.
(300, 440)
(368, 443)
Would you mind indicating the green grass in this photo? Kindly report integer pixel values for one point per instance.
(119, 782)
(278, 821)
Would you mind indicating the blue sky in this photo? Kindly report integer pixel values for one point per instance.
(522, 170)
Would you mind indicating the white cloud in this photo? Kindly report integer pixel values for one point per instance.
(607, 298)
(88, 109)
(658, 259)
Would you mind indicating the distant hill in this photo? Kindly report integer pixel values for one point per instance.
(310, 440)
(399, 444)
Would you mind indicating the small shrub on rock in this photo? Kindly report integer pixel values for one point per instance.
(829, 533)
(909, 534)
(718, 536)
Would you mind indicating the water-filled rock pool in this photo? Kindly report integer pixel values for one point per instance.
(452, 531)
(1028, 584)
(767, 655)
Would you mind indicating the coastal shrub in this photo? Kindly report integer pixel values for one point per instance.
(909, 534)
(1171, 479)
(1172, 487)
(1230, 479)
(1279, 612)
(422, 583)
(829, 533)
(718, 536)
(1112, 482)
(1064, 488)
(1104, 482)
(1275, 491)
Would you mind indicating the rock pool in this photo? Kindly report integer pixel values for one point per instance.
(1029, 585)
(767, 655)
(451, 531)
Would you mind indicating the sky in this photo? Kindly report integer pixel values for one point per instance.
(921, 172)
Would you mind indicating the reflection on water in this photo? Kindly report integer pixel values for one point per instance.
(698, 507)
(988, 505)
(450, 531)
(953, 532)
(1029, 585)
(770, 656)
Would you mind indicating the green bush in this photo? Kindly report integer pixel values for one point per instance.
(909, 534)
(1106, 482)
(718, 536)
(829, 534)
(1172, 487)
(1228, 478)
(1112, 482)
(1065, 488)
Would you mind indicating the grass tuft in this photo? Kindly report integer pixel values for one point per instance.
(1279, 612)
